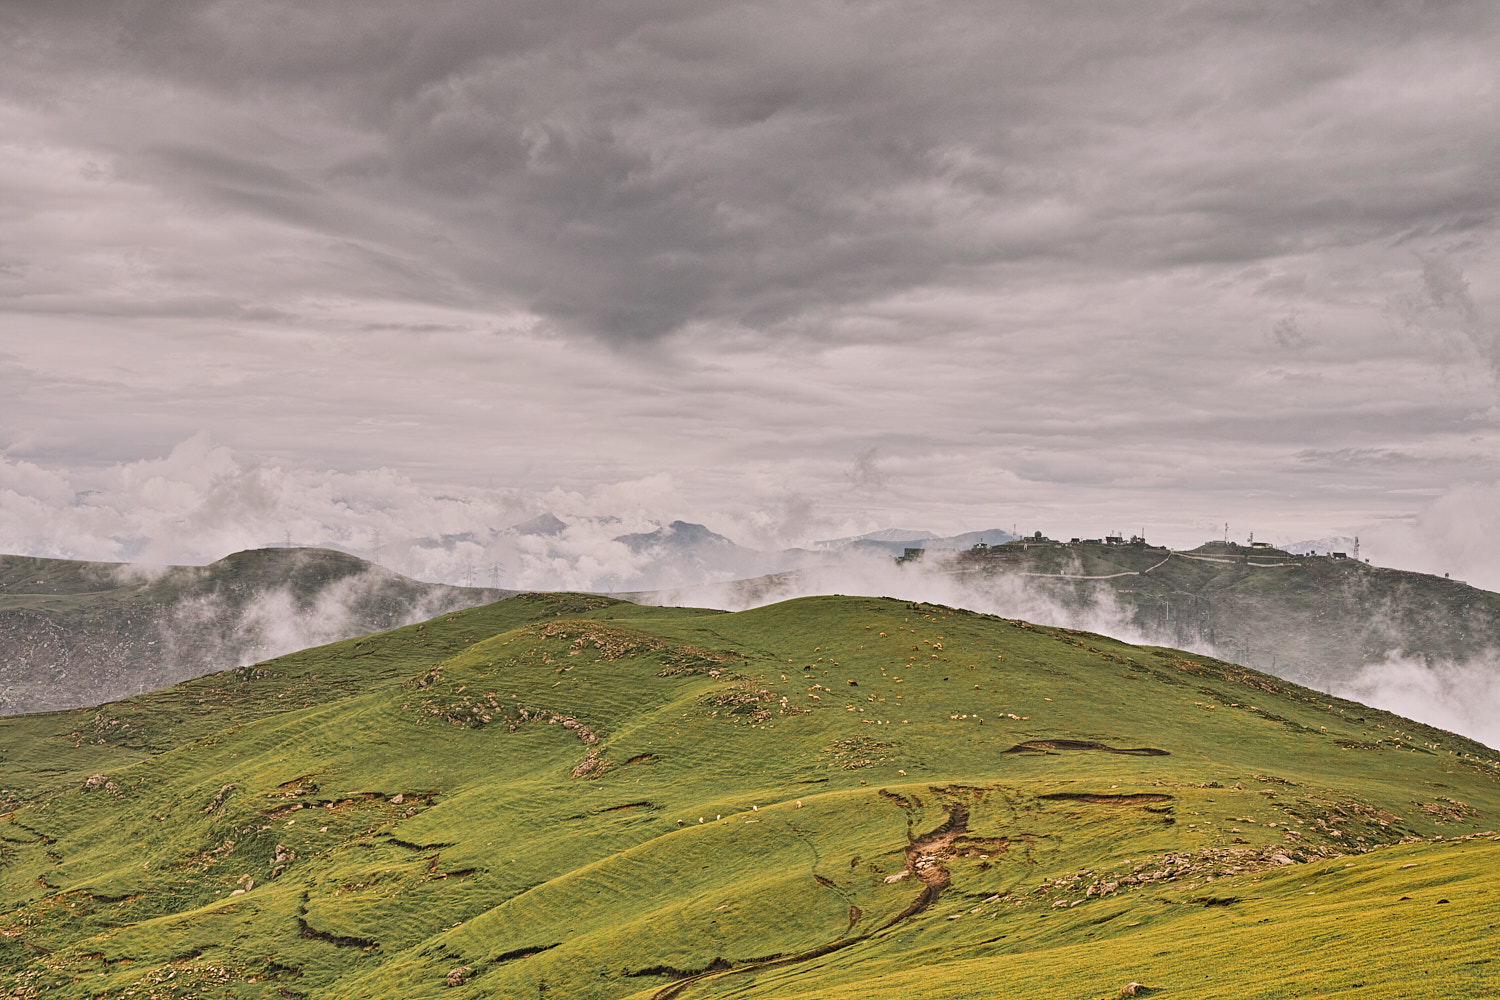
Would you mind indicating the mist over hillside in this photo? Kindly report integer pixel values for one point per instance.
(1412, 643)
(76, 633)
(1425, 646)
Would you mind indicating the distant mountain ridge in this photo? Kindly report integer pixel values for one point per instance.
(883, 535)
(542, 524)
(683, 553)
(76, 633)
(897, 540)
(1323, 546)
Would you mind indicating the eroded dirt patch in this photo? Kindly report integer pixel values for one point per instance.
(1107, 798)
(304, 930)
(924, 857)
(1043, 746)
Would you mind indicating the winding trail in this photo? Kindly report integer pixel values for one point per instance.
(1106, 576)
(923, 860)
(1235, 562)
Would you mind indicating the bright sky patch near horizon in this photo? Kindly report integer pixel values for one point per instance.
(363, 273)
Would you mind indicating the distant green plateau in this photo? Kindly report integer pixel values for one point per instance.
(567, 796)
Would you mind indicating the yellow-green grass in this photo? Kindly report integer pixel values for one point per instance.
(565, 796)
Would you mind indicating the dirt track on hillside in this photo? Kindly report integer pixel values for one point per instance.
(924, 857)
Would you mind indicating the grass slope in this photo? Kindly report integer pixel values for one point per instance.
(568, 796)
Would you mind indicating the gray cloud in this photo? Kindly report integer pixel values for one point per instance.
(1459, 697)
(1447, 292)
(635, 171)
(1287, 333)
(1062, 264)
(865, 473)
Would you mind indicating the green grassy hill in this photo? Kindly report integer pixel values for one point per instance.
(567, 796)
(82, 633)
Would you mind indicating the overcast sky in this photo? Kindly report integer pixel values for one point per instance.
(792, 270)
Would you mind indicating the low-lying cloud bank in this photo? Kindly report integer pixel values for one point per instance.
(1459, 697)
(215, 630)
(168, 624)
(203, 500)
(1008, 595)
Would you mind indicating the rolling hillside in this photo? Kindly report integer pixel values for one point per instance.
(81, 633)
(838, 797)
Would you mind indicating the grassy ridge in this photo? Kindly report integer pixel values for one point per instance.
(567, 796)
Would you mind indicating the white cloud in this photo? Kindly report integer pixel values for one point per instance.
(1457, 534)
(1459, 697)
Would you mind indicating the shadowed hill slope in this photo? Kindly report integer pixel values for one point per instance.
(81, 633)
(562, 795)
(1312, 619)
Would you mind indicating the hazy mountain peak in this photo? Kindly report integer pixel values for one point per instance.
(883, 535)
(542, 524)
(1322, 546)
(678, 535)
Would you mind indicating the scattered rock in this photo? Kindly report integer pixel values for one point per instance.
(218, 800)
(95, 782)
(283, 857)
(458, 976)
(593, 764)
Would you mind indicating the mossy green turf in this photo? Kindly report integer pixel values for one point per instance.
(567, 796)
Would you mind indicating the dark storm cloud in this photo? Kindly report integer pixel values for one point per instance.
(632, 169)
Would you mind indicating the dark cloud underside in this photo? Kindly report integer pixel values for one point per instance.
(632, 169)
